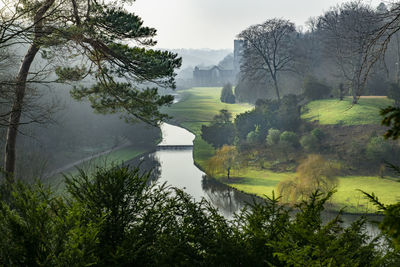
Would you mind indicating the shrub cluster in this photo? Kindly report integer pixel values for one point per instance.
(116, 219)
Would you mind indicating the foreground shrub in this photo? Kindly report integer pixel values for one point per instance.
(116, 218)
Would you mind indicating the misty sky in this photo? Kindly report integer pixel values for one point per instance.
(215, 23)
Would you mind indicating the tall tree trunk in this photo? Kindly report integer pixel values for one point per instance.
(15, 115)
(276, 89)
(341, 91)
(354, 89)
(20, 89)
(355, 98)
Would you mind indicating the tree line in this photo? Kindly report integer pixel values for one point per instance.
(336, 49)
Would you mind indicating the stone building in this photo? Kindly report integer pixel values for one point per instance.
(216, 76)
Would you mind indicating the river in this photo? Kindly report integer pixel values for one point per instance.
(173, 164)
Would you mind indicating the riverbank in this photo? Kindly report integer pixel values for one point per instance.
(199, 105)
(102, 160)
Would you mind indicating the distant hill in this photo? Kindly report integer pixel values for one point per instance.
(201, 57)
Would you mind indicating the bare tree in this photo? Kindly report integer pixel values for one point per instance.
(378, 45)
(345, 31)
(268, 50)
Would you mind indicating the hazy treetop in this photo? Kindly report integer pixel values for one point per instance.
(215, 23)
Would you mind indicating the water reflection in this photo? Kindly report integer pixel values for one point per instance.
(225, 198)
(147, 163)
(176, 168)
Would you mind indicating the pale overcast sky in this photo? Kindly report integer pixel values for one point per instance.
(215, 23)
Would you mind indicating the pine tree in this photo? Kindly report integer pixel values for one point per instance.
(89, 38)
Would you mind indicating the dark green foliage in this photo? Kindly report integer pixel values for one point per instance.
(247, 121)
(314, 89)
(273, 137)
(288, 114)
(392, 120)
(310, 243)
(269, 114)
(40, 229)
(227, 94)
(253, 137)
(309, 143)
(115, 218)
(318, 133)
(116, 48)
(221, 131)
(218, 134)
(390, 225)
(289, 138)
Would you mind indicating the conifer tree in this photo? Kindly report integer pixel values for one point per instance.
(88, 38)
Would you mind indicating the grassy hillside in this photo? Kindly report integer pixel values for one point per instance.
(333, 111)
(199, 105)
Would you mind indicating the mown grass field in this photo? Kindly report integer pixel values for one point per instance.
(199, 105)
(333, 111)
(263, 182)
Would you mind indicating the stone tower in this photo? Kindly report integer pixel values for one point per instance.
(238, 46)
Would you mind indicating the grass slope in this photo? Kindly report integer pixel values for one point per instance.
(199, 105)
(333, 111)
(108, 160)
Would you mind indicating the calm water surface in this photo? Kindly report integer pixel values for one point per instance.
(175, 166)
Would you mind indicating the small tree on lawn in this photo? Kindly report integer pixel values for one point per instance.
(314, 173)
(227, 94)
(224, 160)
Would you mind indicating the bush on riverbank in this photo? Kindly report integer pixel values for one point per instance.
(116, 218)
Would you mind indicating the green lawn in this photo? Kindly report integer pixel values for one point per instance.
(263, 182)
(332, 111)
(199, 105)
